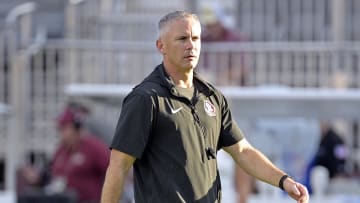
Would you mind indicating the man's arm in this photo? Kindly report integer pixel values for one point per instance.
(256, 164)
(116, 174)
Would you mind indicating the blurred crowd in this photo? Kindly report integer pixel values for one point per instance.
(75, 172)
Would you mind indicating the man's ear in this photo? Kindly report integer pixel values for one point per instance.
(160, 46)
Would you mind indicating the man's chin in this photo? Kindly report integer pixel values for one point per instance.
(191, 66)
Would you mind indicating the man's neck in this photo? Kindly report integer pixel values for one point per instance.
(184, 83)
(182, 79)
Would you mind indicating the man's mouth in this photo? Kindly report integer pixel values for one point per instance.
(190, 56)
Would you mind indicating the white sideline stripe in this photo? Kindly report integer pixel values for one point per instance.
(96, 90)
(251, 102)
(113, 90)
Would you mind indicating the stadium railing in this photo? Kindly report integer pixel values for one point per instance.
(3, 90)
(291, 64)
(117, 20)
(57, 63)
(16, 40)
(262, 20)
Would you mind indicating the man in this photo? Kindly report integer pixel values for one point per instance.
(331, 155)
(80, 160)
(172, 125)
(77, 168)
(332, 151)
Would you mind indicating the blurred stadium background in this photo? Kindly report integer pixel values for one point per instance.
(301, 59)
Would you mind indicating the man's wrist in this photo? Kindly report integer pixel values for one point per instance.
(282, 180)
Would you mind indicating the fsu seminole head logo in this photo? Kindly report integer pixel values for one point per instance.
(209, 108)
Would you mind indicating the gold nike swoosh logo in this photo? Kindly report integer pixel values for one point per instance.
(173, 111)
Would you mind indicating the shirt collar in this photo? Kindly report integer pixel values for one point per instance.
(202, 85)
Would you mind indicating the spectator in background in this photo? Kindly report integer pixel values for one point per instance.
(80, 160)
(244, 184)
(104, 132)
(79, 163)
(93, 125)
(331, 154)
(231, 67)
(216, 31)
(332, 151)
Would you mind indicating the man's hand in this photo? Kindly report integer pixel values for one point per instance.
(296, 190)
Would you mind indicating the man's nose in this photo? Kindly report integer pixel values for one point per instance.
(190, 44)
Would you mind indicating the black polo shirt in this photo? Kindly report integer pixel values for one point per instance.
(175, 140)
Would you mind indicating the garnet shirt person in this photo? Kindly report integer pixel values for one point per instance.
(172, 125)
(80, 160)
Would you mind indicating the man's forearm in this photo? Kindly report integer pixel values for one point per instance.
(254, 162)
(259, 166)
(113, 186)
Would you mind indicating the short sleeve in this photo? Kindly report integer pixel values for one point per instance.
(230, 132)
(134, 125)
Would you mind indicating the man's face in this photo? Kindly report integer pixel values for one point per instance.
(68, 134)
(181, 44)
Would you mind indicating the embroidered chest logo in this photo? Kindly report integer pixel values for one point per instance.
(209, 108)
(77, 159)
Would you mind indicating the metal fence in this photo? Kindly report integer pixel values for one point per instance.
(15, 38)
(290, 64)
(117, 20)
(248, 64)
(3, 89)
(298, 20)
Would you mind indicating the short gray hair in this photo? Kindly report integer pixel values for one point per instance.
(164, 21)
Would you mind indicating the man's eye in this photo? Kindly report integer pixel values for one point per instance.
(195, 38)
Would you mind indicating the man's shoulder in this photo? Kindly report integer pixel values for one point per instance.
(152, 85)
(209, 86)
(148, 88)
